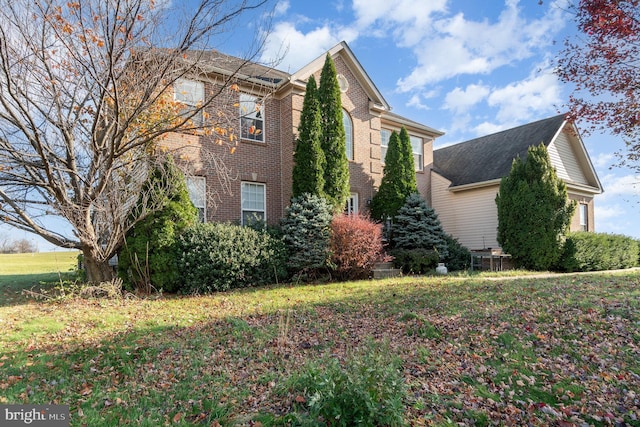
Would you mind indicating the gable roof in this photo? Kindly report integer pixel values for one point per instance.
(489, 158)
(375, 96)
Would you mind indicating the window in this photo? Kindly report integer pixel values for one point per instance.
(253, 201)
(196, 185)
(251, 118)
(385, 135)
(348, 132)
(352, 204)
(584, 217)
(190, 93)
(416, 147)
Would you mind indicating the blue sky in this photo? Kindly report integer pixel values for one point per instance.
(466, 67)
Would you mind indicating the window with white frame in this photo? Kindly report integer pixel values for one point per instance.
(418, 148)
(197, 186)
(348, 132)
(191, 94)
(351, 207)
(385, 135)
(251, 118)
(253, 199)
(584, 217)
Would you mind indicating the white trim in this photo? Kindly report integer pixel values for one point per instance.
(242, 201)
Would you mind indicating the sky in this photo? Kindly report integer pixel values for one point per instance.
(466, 67)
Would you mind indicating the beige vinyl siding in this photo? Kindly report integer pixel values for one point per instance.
(564, 160)
(471, 216)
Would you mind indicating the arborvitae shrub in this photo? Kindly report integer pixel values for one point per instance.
(217, 257)
(356, 245)
(534, 211)
(458, 257)
(586, 251)
(148, 259)
(306, 230)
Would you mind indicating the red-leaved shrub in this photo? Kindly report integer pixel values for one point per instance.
(356, 245)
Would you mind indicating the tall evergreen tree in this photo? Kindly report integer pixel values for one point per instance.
(308, 170)
(408, 168)
(148, 257)
(333, 143)
(534, 212)
(399, 177)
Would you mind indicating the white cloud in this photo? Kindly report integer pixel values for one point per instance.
(527, 99)
(487, 128)
(616, 186)
(294, 49)
(460, 100)
(281, 8)
(455, 45)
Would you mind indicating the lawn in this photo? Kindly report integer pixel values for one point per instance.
(562, 350)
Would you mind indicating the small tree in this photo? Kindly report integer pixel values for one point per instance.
(148, 258)
(399, 179)
(416, 226)
(307, 232)
(308, 170)
(333, 143)
(533, 211)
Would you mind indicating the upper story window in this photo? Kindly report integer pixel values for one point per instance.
(251, 118)
(348, 132)
(584, 217)
(416, 146)
(191, 94)
(418, 149)
(196, 185)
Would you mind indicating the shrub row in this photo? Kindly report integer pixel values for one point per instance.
(218, 257)
(584, 251)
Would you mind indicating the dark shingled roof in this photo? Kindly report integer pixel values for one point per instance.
(490, 157)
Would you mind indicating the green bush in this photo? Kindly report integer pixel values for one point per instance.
(306, 231)
(367, 390)
(586, 251)
(458, 257)
(416, 226)
(415, 261)
(217, 257)
(148, 258)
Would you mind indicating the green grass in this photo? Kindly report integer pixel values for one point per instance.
(472, 350)
(37, 271)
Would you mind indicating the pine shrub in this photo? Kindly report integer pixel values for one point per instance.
(416, 226)
(356, 246)
(415, 261)
(218, 257)
(306, 231)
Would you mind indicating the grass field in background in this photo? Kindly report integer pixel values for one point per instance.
(27, 271)
(561, 350)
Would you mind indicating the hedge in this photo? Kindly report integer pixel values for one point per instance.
(218, 257)
(586, 251)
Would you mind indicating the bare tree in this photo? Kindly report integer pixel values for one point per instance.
(86, 96)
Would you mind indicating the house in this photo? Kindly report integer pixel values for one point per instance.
(256, 180)
(263, 112)
(466, 178)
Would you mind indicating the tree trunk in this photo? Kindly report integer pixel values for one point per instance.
(97, 271)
